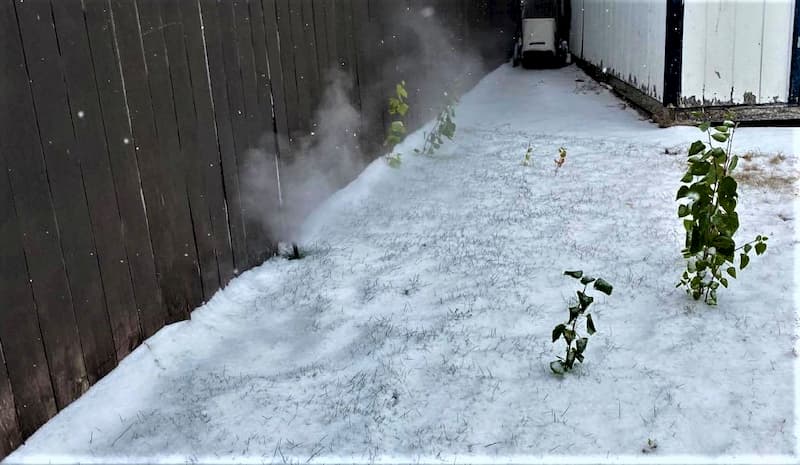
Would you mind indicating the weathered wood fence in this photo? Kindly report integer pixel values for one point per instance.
(124, 124)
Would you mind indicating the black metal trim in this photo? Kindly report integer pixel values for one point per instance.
(673, 53)
(794, 75)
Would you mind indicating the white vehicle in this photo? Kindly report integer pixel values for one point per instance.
(544, 31)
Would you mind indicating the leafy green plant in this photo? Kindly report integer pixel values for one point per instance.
(576, 345)
(398, 107)
(445, 126)
(528, 159)
(562, 157)
(708, 197)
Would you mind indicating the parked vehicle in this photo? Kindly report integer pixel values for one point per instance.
(543, 33)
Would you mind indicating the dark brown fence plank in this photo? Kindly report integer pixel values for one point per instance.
(256, 130)
(24, 355)
(210, 168)
(98, 182)
(276, 75)
(66, 182)
(237, 107)
(28, 179)
(10, 436)
(288, 51)
(181, 281)
(221, 85)
(124, 167)
(267, 207)
(187, 164)
(320, 27)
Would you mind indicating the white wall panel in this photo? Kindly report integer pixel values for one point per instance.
(736, 51)
(626, 37)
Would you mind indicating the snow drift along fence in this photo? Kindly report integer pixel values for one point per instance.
(124, 124)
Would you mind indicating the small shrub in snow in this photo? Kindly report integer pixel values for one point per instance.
(568, 331)
(528, 159)
(398, 107)
(444, 127)
(708, 207)
(562, 157)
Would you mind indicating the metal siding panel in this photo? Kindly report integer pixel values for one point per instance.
(747, 51)
(720, 35)
(694, 45)
(776, 51)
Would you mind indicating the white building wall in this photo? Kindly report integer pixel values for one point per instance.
(625, 37)
(736, 51)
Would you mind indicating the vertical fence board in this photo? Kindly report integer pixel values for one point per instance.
(288, 50)
(23, 352)
(28, 181)
(180, 278)
(10, 436)
(276, 76)
(124, 167)
(188, 163)
(238, 114)
(98, 181)
(209, 166)
(224, 109)
(66, 182)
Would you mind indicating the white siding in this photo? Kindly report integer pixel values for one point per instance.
(626, 37)
(736, 51)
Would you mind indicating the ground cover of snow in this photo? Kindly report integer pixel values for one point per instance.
(417, 328)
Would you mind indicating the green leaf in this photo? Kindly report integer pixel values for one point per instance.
(727, 186)
(687, 225)
(603, 286)
(696, 148)
(704, 126)
(569, 335)
(748, 248)
(574, 312)
(397, 126)
(725, 245)
(721, 128)
(580, 344)
(700, 168)
(558, 331)
(570, 361)
(584, 300)
(731, 271)
(557, 367)
(590, 325)
(682, 191)
(733, 163)
(575, 274)
(720, 137)
(743, 261)
(724, 282)
(760, 248)
(586, 279)
(683, 210)
(688, 177)
(401, 91)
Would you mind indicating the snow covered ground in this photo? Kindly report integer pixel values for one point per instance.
(418, 327)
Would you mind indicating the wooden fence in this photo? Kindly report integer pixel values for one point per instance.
(124, 124)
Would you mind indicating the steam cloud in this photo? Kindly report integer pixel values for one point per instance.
(431, 61)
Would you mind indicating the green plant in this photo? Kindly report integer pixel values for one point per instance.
(443, 127)
(708, 197)
(562, 157)
(528, 159)
(568, 331)
(398, 107)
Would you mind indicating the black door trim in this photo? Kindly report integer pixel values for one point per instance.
(673, 52)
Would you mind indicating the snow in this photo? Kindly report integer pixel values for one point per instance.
(417, 328)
